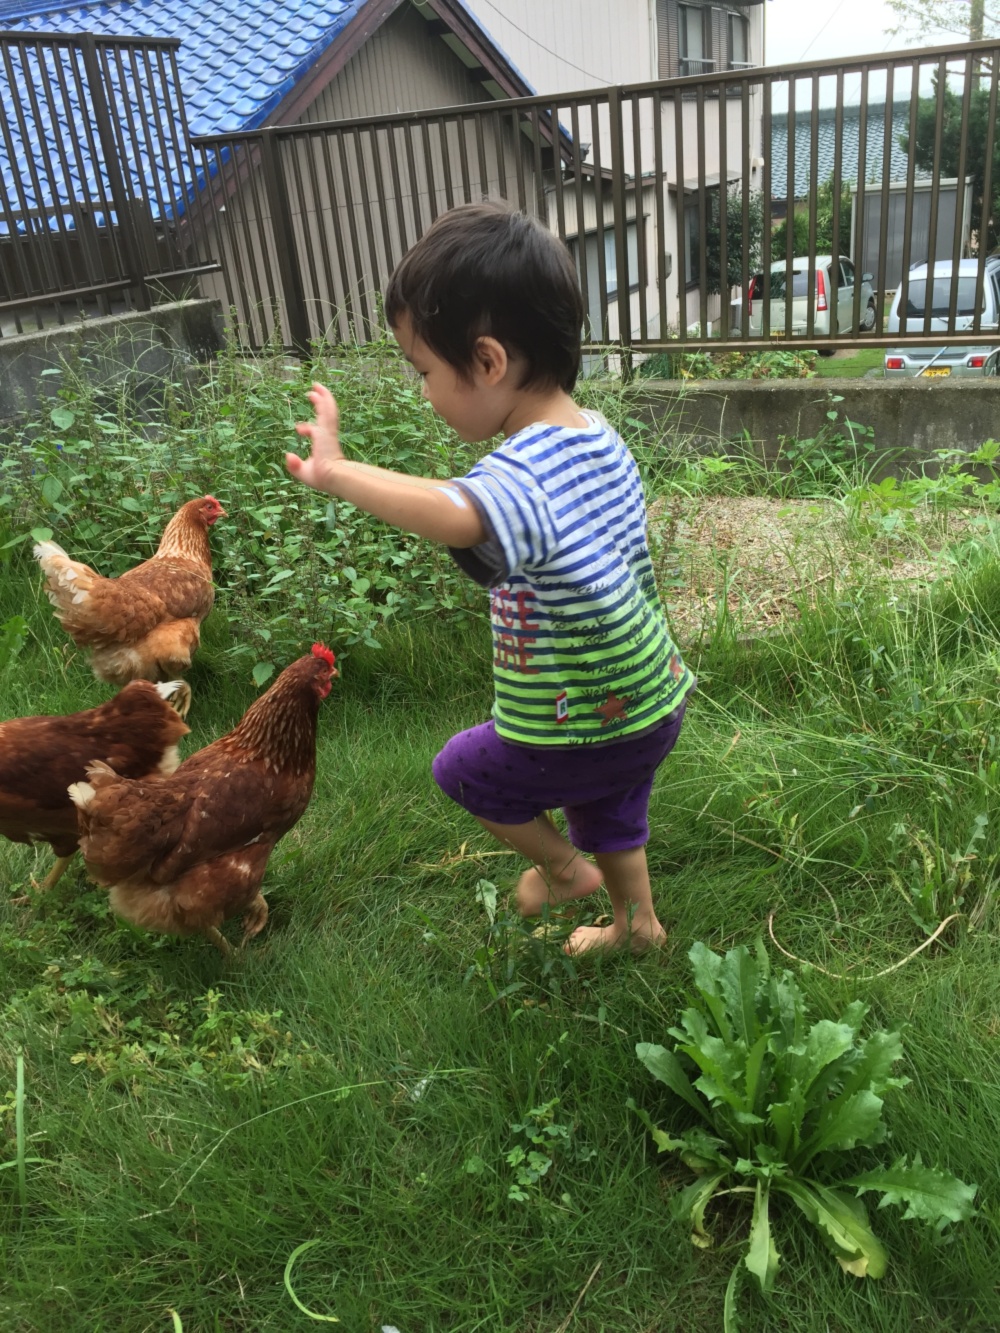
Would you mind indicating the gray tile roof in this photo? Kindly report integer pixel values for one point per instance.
(825, 132)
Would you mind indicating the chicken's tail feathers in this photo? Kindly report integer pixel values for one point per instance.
(81, 794)
(68, 581)
(177, 693)
(99, 774)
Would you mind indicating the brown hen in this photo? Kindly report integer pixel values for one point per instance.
(145, 624)
(183, 854)
(136, 732)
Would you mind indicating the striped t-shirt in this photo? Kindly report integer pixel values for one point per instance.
(581, 648)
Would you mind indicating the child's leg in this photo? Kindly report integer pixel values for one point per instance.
(626, 878)
(559, 873)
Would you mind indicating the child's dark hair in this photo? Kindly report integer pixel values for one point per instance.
(482, 270)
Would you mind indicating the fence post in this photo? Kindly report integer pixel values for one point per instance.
(116, 180)
(621, 227)
(289, 270)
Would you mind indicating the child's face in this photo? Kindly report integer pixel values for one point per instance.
(474, 408)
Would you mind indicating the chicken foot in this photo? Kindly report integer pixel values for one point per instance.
(255, 919)
(49, 882)
(214, 934)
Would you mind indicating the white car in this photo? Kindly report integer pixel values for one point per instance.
(951, 361)
(822, 299)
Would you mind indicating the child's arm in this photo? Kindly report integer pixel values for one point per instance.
(417, 504)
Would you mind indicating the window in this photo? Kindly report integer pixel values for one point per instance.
(694, 39)
(610, 267)
(846, 272)
(916, 297)
(739, 41)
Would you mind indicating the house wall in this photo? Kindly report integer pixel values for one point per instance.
(360, 196)
(402, 67)
(568, 45)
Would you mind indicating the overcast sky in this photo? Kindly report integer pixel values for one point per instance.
(804, 30)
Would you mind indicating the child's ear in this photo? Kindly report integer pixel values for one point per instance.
(491, 360)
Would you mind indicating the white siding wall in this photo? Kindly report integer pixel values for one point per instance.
(568, 45)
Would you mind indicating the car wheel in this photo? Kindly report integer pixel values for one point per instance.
(868, 322)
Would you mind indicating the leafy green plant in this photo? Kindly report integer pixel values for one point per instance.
(541, 1137)
(827, 461)
(931, 880)
(13, 636)
(779, 1104)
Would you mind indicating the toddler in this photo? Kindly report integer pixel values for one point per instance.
(590, 690)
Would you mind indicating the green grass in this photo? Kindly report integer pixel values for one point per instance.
(853, 366)
(355, 1078)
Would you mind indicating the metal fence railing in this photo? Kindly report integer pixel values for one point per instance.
(666, 193)
(96, 178)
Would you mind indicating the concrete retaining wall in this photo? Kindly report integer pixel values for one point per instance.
(910, 418)
(149, 347)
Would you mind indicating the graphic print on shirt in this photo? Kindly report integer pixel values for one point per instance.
(581, 647)
(509, 612)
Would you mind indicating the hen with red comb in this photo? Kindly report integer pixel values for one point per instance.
(182, 854)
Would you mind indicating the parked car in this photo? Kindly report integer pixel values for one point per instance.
(822, 298)
(935, 287)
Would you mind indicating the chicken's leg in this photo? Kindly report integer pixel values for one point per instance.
(214, 934)
(55, 874)
(50, 880)
(255, 919)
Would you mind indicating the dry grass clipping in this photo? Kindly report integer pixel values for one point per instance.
(767, 558)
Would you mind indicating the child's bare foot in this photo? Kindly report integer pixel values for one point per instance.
(637, 936)
(575, 880)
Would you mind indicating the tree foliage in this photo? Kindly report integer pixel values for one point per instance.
(951, 147)
(921, 19)
(736, 240)
(824, 226)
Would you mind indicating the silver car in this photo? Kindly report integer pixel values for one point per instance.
(822, 299)
(935, 288)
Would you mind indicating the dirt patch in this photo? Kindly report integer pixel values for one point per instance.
(766, 558)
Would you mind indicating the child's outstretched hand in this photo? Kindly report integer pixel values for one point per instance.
(317, 470)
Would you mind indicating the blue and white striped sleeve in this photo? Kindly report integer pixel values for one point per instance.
(515, 507)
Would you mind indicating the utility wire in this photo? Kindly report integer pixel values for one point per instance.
(600, 78)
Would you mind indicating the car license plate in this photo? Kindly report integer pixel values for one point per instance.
(937, 370)
(777, 333)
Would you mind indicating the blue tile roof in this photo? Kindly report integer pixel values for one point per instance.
(237, 58)
(825, 136)
(237, 61)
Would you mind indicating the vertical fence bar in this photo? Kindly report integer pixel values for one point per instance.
(682, 258)
(602, 257)
(724, 287)
(767, 141)
(985, 212)
(642, 256)
(660, 185)
(369, 274)
(908, 199)
(102, 118)
(345, 316)
(276, 189)
(789, 283)
(811, 283)
(861, 213)
(884, 202)
(942, 80)
(699, 104)
(618, 203)
(956, 245)
(745, 205)
(360, 335)
(581, 233)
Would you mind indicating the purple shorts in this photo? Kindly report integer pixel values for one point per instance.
(604, 789)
